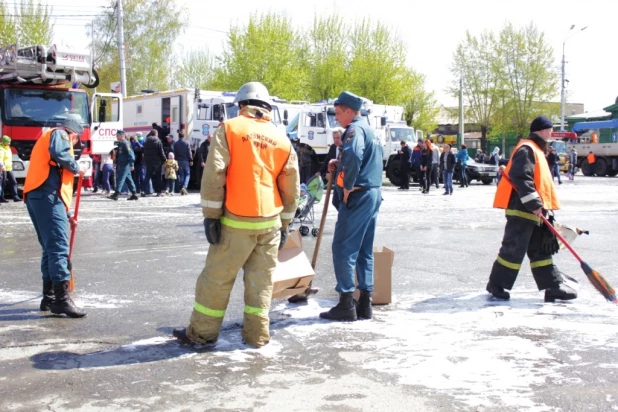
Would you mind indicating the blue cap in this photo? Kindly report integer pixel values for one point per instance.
(120, 132)
(349, 99)
(73, 126)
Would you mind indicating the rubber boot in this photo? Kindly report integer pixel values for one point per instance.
(363, 306)
(48, 295)
(497, 291)
(63, 303)
(344, 311)
(133, 196)
(560, 292)
(181, 335)
(114, 196)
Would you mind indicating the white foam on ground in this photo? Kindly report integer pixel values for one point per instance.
(91, 300)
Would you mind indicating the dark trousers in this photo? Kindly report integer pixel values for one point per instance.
(305, 173)
(153, 172)
(184, 174)
(51, 224)
(521, 237)
(10, 185)
(433, 174)
(96, 175)
(405, 175)
(138, 176)
(422, 178)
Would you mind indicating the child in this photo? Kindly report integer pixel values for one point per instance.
(302, 201)
(171, 166)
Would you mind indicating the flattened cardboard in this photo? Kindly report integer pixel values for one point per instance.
(382, 276)
(293, 272)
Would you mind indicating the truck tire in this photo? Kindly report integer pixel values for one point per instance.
(585, 166)
(394, 173)
(601, 169)
(487, 181)
(613, 173)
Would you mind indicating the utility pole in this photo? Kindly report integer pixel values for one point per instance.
(123, 69)
(460, 135)
(562, 89)
(92, 53)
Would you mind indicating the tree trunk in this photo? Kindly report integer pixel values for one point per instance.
(484, 138)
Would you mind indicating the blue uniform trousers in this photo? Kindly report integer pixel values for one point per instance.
(138, 176)
(123, 174)
(184, 173)
(51, 224)
(353, 239)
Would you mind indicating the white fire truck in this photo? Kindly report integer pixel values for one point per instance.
(40, 88)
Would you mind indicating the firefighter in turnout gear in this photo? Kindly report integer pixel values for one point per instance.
(526, 194)
(48, 192)
(249, 197)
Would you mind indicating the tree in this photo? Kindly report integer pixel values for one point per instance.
(268, 50)
(476, 60)
(327, 73)
(150, 29)
(196, 69)
(376, 66)
(34, 23)
(526, 72)
(8, 33)
(421, 108)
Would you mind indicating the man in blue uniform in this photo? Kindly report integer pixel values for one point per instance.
(48, 193)
(359, 178)
(124, 164)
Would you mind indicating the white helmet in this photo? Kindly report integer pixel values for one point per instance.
(254, 91)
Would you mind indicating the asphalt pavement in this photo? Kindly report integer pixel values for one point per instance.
(442, 345)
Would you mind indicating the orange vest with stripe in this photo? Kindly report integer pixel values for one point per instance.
(543, 181)
(591, 158)
(40, 165)
(258, 154)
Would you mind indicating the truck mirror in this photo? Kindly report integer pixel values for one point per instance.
(285, 122)
(102, 112)
(285, 115)
(383, 121)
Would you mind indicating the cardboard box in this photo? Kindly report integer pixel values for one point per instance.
(294, 272)
(382, 276)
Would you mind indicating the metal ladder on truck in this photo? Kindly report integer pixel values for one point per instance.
(46, 65)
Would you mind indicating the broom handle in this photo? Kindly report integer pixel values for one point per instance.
(77, 200)
(550, 226)
(322, 221)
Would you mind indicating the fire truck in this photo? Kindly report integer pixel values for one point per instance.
(40, 89)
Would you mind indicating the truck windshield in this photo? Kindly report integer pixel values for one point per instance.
(22, 107)
(559, 146)
(402, 133)
(232, 110)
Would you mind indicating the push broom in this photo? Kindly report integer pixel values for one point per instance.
(75, 213)
(597, 280)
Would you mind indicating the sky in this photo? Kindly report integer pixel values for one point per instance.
(431, 30)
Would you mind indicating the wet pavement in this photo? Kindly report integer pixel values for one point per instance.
(442, 345)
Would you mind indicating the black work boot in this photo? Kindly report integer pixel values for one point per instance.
(133, 196)
(497, 291)
(344, 311)
(114, 196)
(560, 292)
(48, 295)
(363, 306)
(181, 335)
(63, 303)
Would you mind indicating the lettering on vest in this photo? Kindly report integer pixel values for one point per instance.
(259, 141)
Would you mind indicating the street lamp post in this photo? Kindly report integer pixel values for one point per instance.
(562, 89)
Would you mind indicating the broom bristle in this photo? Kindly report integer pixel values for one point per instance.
(602, 285)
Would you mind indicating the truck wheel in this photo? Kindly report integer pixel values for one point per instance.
(487, 181)
(613, 173)
(394, 173)
(585, 166)
(601, 169)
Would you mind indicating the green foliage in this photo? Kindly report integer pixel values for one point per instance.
(421, 108)
(196, 70)
(27, 24)
(150, 29)
(508, 79)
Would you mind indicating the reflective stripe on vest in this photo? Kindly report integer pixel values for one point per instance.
(40, 164)
(258, 154)
(241, 224)
(543, 181)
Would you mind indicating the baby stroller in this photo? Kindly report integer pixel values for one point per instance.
(310, 195)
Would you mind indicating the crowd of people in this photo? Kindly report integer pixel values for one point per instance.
(147, 166)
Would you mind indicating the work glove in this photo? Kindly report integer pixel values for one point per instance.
(212, 227)
(549, 242)
(284, 237)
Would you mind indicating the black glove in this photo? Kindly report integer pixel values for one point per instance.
(284, 237)
(212, 227)
(549, 242)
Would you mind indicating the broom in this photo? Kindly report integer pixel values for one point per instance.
(597, 280)
(302, 297)
(77, 199)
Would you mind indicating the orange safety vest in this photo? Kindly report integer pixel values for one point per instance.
(591, 158)
(258, 154)
(40, 164)
(542, 181)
